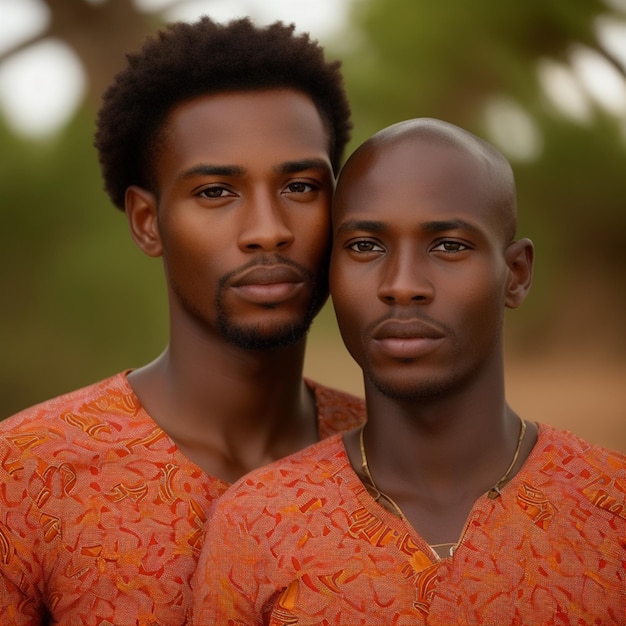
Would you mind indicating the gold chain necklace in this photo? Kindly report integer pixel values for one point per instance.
(493, 493)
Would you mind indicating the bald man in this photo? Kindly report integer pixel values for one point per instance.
(446, 507)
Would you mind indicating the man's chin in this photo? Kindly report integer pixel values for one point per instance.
(256, 338)
(271, 335)
(401, 389)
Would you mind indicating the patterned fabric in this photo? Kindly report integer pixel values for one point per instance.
(301, 542)
(101, 516)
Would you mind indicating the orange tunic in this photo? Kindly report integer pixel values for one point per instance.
(302, 542)
(101, 516)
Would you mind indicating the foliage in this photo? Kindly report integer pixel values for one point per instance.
(81, 302)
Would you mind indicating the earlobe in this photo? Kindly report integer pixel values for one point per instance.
(141, 211)
(519, 258)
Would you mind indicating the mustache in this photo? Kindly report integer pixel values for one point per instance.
(395, 318)
(265, 261)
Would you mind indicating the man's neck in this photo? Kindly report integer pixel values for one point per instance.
(229, 410)
(435, 441)
(436, 456)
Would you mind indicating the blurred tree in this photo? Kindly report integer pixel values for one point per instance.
(72, 312)
(467, 62)
(447, 59)
(99, 33)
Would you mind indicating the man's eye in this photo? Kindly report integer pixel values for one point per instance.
(213, 192)
(299, 187)
(365, 246)
(451, 246)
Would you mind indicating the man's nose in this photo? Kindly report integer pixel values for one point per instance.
(264, 226)
(405, 280)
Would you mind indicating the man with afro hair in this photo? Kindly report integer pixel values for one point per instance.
(221, 144)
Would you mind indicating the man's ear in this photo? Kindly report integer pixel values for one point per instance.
(141, 211)
(519, 257)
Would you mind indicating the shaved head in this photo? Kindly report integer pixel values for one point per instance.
(493, 171)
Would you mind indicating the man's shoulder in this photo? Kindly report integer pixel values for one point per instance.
(287, 500)
(596, 473)
(308, 470)
(83, 407)
(568, 447)
(337, 410)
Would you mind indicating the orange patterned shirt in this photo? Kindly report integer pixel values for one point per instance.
(101, 516)
(302, 542)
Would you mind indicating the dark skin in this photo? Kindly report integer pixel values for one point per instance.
(240, 216)
(424, 265)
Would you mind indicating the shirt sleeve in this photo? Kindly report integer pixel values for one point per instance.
(20, 536)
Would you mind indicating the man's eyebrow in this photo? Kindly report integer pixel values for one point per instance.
(366, 225)
(435, 226)
(293, 167)
(213, 170)
(438, 226)
(290, 167)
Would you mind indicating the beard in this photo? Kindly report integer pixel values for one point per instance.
(257, 337)
(412, 380)
(411, 391)
(276, 336)
(417, 384)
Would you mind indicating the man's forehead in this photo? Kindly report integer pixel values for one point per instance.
(415, 179)
(391, 169)
(241, 130)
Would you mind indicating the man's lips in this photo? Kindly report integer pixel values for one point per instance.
(268, 275)
(405, 329)
(268, 284)
(406, 339)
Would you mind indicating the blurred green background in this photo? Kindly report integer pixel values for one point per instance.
(542, 79)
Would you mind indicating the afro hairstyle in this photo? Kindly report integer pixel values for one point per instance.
(184, 61)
